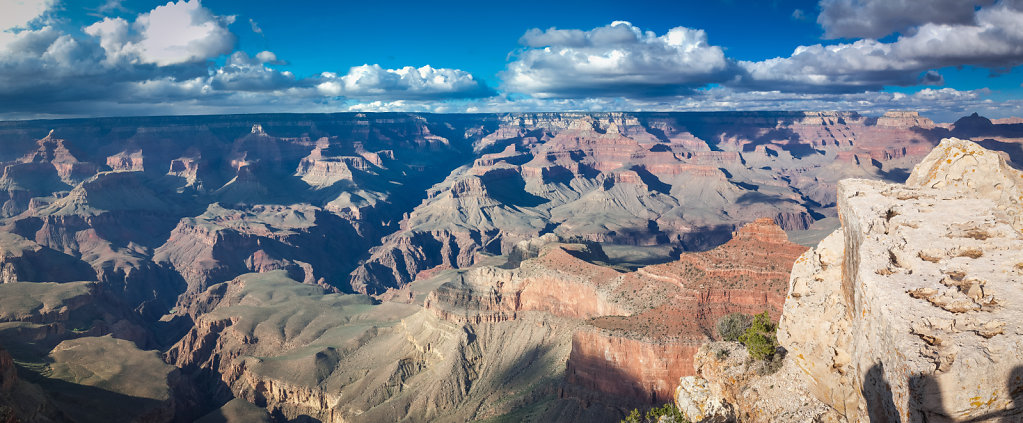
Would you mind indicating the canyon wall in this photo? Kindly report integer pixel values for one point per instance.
(641, 179)
(418, 266)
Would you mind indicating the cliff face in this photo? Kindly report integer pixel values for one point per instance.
(927, 287)
(674, 307)
(641, 371)
(910, 311)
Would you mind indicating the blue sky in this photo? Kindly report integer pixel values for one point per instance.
(945, 58)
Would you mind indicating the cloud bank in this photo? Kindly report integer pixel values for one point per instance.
(181, 57)
(165, 60)
(375, 82)
(993, 38)
(878, 18)
(614, 60)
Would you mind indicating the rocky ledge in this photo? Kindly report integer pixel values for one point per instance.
(910, 312)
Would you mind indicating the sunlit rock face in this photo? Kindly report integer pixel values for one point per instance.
(910, 312)
(929, 272)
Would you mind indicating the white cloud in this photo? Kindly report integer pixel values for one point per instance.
(111, 6)
(612, 60)
(878, 18)
(244, 73)
(373, 81)
(993, 40)
(161, 61)
(175, 33)
(255, 27)
(18, 15)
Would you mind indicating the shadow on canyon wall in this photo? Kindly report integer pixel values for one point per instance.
(925, 400)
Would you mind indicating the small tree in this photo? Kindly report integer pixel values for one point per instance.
(666, 413)
(732, 326)
(759, 338)
(668, 410)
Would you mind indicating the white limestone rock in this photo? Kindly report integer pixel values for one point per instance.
(698, 404)
(921, 316)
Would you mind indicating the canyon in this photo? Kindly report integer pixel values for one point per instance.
(422, 267)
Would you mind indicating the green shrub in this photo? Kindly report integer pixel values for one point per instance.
(759, 338)
(654, 415)
(732, 326)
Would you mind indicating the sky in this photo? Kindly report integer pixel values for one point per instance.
(85, 58)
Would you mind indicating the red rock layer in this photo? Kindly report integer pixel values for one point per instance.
(639, 330)
(556, 282)
(623, 367)
(643, 355)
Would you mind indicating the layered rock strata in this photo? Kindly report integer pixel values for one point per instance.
(687, 180)
(641, 328)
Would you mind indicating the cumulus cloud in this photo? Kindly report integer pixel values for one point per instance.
(373, 81)
(878, 18)
(41, 65)
(993, 40)
(617, 59)
(177, 32)
(244, 73)
(18, 13)
(163, 61)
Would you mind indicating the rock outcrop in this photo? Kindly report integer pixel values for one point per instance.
(928, 274)
(673, 308)
(910, 312)
(731, 386)
(313, 245)
(553, 325)
(341, 358)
